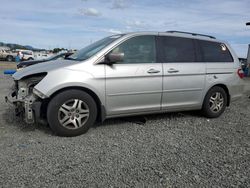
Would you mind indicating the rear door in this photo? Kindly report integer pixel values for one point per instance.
(184, 75)
(134, 85)
(221, 67)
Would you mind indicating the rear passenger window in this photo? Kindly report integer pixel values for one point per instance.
(215, 52)
(176, 49)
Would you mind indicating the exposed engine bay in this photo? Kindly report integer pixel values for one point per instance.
(24, 98)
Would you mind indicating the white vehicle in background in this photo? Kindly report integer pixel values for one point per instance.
(27, 54)
(42, 55)
(7, 54)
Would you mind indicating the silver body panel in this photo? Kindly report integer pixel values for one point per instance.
(129, 89)
(184, 88)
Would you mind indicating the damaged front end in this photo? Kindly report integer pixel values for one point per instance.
(26, 99)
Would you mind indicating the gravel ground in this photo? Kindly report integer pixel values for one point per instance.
(169, 150)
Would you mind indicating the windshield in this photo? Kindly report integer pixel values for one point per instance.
(92, 49)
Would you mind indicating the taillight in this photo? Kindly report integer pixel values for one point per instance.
(240, 73)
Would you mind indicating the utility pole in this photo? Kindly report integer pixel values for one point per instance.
(248, 54)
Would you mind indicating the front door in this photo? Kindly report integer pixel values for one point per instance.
(134, 85)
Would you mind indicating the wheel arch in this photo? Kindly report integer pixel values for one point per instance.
(223, 86)
(101, 113)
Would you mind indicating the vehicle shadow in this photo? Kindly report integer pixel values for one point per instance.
(142, 119)
(9, 118)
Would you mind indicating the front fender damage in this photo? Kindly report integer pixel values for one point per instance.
(26, 103)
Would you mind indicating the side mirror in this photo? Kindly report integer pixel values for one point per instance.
(114, 57)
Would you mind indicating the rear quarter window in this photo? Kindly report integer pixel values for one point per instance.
(215, 52)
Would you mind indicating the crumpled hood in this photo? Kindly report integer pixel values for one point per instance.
(43, 67)
(32, 62)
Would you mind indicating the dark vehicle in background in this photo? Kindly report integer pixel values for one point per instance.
(243, 62)
(33, 62)
(244, 66)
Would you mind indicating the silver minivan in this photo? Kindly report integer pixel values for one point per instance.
(126, 75)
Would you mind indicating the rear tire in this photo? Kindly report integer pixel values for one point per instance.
(215, 102)
(71, 113)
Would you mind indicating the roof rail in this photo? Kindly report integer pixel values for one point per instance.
(194, 34)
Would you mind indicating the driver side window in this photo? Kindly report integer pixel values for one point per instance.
(139, 49)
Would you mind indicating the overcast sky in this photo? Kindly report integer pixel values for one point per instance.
(76, 23)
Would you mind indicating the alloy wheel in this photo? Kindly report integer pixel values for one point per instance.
(73, 114)
(216, 102)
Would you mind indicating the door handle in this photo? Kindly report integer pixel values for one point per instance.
(172, 70)
(153, 71)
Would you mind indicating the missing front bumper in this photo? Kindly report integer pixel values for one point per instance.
(24, 106)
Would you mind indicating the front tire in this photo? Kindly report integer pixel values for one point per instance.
(71, 113)
(215, 102)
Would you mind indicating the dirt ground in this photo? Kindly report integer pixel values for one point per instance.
(7, 65)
